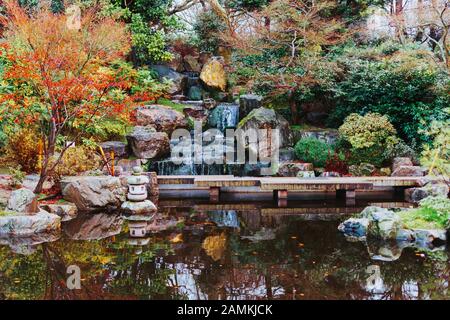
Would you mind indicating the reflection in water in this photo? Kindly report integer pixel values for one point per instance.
(227, 252)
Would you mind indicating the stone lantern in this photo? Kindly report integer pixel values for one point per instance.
(138, 207)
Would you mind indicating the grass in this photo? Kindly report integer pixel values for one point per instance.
(168, 103)
(421, 218)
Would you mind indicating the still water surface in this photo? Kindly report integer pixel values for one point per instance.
(225, 251)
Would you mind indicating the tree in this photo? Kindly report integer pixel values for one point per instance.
(288, 58)
(62, 75)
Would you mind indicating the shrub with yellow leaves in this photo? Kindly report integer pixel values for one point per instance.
(21, 149)
(76, 160)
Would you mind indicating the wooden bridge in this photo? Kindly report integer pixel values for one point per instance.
(281, 186)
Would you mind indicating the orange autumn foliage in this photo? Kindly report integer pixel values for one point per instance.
(62, 75)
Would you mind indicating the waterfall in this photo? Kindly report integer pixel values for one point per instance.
(225, 115)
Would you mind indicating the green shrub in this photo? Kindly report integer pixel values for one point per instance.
(369, 137)
(441, 204)
(437, 156)
(401, 82)
(433, 213)
(313, 150)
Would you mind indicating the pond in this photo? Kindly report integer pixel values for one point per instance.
(229, 250)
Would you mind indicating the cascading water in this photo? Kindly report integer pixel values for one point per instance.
(224, 116)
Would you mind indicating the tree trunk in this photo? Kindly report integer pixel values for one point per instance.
(294, 111)
(48, 153)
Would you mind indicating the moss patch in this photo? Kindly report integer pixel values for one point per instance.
(168, 103)
(420, 218)
(6, 213)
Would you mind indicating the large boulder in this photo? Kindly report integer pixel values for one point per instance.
(248, 102)
(195, 93)
(191, 63)
(292, 168)
(94, 227)
(363, 169)
(127, 164)
(354, 228)
(401, 161)
(66, 211)
(22, 224)
(382, 223)
(213, 74)
(264, 118)
(431, 189)
(162, 118)
(23, 200)
(407, 171)
(177, 79)
(95, 192)
(146, 143)
(119, 148)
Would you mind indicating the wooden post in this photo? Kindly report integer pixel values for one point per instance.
(214, 194)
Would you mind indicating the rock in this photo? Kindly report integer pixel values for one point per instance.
(66, 211)
(384, 251)
(401, 161)
(306, 174)
(195, 93)
(22, 224)
(160, 223)
(364, 169)
(407, 171)
(119, 148)
(383, 223)
(128, 164)
(191, 64)
(148, 144)
(416, 194)
(263, 118)
(204, 56)
(353, 227)
(31, 180)
(152, 186)
(23, 200)
(196, 113)
(177, 62)
(209, 103)
(213, 74)
(90, 193)
(178, 80)
(291, 169)
(248, 102)
(138, 208)
(94, 227)
(426, 238)
(162, 118)
(28, 244)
